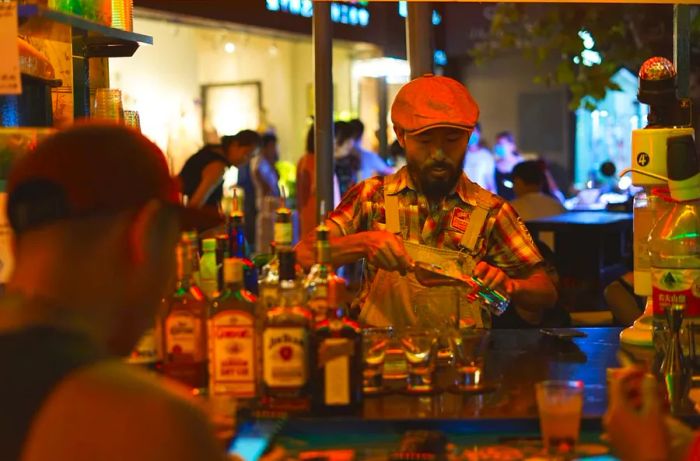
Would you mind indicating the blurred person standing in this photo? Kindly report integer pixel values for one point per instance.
(95, 254)
(347, 161)
(479, 164)
(507, 156)
(265, 180)
(306, 187)
(371, 164)
(203, 173)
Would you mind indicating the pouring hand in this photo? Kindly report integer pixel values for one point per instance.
(494, 278)
(386, 251)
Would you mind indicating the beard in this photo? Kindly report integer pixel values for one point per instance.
(435, 179)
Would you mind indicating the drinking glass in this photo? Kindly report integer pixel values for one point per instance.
(132, 120)
(560, 404)
(469, 346)
(123, 14)
(374, 345)
(419, 346)
(108, 105)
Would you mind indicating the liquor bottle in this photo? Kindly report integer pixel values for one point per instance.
(285, 344)
(269, 275)
(233, 357)
(338, 355)
(208, 270)
(238, 248)
(192, 243)
(321, 275)
(184, 326)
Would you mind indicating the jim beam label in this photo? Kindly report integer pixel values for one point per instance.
(232, 354)
(676, 286)
(334, 355)
(183, 337)
(285, 357)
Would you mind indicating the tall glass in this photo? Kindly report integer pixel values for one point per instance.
(374, 345)
(108, 105)
(560, 404)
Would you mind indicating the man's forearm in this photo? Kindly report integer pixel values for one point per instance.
(535, 293)
(344, 250)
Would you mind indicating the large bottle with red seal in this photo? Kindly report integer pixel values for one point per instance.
(674, 250)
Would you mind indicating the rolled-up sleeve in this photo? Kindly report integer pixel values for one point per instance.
(348, 215)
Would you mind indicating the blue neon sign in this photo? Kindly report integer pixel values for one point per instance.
(352, 15)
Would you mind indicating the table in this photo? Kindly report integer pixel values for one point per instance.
(591, 249)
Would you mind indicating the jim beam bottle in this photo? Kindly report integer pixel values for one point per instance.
(184, 326)
(286, 340)
(232, 337)
(269, 275)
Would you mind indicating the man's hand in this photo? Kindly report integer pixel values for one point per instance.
(386, 251)
(494, 278)
(635, 420)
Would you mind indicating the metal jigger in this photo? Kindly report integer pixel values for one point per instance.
(674, 368)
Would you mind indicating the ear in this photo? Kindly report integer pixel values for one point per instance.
(140, 230)
(400, 136)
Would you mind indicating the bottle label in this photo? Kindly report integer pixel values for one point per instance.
(283, 233)
(284, 357)
(642, 224)
(676, 286)
(269, 294)
(334, 355)
(232, 353)
(183, 337)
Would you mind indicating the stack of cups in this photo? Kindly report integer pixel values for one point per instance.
(108, 105)
(123, 15)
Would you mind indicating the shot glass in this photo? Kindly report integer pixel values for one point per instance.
(419, 347)
(374, 345)
(469, 346)
(560, 404)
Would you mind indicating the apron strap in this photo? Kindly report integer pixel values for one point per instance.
(391, 212)
(477, 218)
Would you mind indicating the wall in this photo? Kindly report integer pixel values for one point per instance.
(536, 114)
(163, 82)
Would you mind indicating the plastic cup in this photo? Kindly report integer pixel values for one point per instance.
(108, 105)
(560, 404)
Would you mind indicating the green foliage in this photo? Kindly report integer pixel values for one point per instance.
(547, 35)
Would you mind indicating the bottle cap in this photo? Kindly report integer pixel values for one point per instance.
(233, 270)
(209, 245)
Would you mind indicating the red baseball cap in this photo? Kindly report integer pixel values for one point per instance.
(93, 168)
(433, 101)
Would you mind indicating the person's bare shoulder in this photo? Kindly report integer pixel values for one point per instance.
(111, 411)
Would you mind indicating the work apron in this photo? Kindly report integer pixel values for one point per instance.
(401, 300)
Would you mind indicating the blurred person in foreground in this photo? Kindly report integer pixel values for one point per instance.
(371, 164)
(202, 175)
(430, 212)
(94, 255)
(638, 424)
(479, 165)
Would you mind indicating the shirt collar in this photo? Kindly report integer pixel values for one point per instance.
(401, 180)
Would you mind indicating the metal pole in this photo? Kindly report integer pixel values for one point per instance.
(419, 32)
(382, 103)
(323, 117)
(681, 47)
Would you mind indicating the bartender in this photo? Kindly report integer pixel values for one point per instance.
(429, 211)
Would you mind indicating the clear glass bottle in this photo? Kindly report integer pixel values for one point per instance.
(269, 275)
(184, 326)
(286, 343)
(233, 348)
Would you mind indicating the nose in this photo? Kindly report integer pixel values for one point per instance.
(438, 154)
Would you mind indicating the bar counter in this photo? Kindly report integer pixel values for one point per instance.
(515, 361)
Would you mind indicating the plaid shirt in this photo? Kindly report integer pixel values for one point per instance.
(506, 243)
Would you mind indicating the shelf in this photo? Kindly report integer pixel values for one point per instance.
(98, 40)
